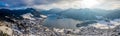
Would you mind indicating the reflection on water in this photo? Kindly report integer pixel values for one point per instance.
(55, 22)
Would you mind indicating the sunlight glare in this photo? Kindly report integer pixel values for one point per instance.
(89, 3)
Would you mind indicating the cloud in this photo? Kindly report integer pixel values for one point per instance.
(31, 2)
(76, 4)
(109, 4)
(63, 4)
(19, 3)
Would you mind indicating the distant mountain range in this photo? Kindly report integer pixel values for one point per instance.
(77, 14)
(84, 14)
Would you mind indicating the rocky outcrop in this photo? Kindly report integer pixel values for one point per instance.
(5, 30)
(25, 22)
(29, 22)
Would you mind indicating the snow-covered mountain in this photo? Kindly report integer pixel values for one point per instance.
(57, 22)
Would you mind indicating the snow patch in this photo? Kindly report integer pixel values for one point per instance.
(106, 25)
(28, 16)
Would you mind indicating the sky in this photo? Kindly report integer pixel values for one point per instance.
(62, 4)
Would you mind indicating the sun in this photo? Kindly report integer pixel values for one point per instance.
(89, 3)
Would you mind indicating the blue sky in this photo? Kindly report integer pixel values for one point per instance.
(2, 4)
(62, 4)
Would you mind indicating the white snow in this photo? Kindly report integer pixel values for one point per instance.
(106, 25)
(43, 16)
(28, 16)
